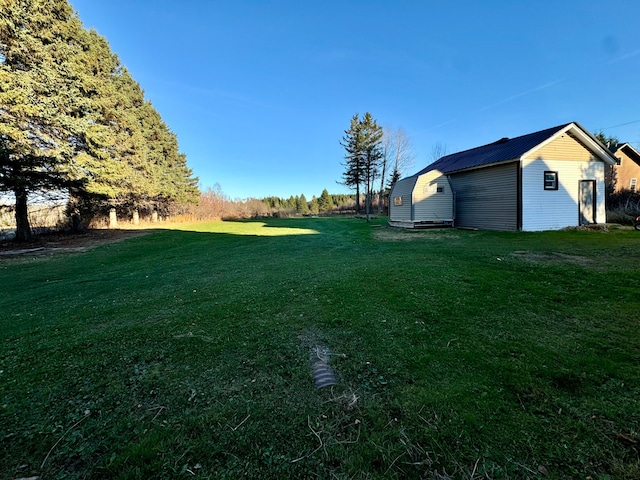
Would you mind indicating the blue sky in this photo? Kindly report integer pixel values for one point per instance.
(260, 92)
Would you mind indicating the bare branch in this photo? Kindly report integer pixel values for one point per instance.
(438, 151)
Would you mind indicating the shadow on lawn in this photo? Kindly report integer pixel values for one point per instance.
(56, 243)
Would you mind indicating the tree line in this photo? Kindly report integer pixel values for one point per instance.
(325, 203)
(374, 154)
(214, 204)
(74, 122)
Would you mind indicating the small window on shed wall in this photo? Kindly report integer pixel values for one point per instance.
(550, 180)
(632, 184)
(433, 188)
(397, 201)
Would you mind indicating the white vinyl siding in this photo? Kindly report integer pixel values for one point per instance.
(487, 197)
(403, 188)
(432, 198)
(554, 209)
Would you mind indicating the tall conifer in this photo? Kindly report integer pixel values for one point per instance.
(353, 143)
(362, 145)
(72, 118)
(41, 101)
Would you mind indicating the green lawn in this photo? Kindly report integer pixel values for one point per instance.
(459, 355)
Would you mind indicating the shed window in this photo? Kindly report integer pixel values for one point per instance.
(551, 180)
(433, 188)
(397, 201)
(632, 184)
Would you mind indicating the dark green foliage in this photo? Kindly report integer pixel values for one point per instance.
(131, 158)
(342, 200)
(610, 172)
(372, 134)
(353, 143)
(187, 354)
(40, 100)
(362, 143)
(325, 202)
(608, 141)
(72, 120)
(393, 178)
(301, 204)
(314, 206)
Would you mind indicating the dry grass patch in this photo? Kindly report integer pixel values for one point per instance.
(68, 243)
(389, 234)
(554, 258)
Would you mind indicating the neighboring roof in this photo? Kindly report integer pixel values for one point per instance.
(631, 152)
(507, 149)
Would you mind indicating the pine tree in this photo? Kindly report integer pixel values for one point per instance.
(73, 119)
(291, 203)
(353, 143)
(372, 138)
(325, 202)
(362, 143)
(314, 207)
(41, 101)
(302, 206)
(108, 139)
(393, 178)
(610, 171)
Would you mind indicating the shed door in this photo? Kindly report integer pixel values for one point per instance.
(487, 197)
(587, 202)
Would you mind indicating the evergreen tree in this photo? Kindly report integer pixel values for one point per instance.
(301, 204)
(325, 202)
(610, 171)
(111, 139)
(314, 208)
(608, 141)
(41, 101)
(393, 178)
(72, 118)
(137, 164)
(165, 177)
(362, 143)
(372, 138)
(353, 143)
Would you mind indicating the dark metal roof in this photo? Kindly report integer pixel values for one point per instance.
(503, 150)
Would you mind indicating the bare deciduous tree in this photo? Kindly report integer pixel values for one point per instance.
(386, 147)
(402, 156)
(438, 151)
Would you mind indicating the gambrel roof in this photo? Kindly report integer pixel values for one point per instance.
(511, 149)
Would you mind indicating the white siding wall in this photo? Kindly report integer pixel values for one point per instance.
(403, 188)
(428, 205)
(554, 209)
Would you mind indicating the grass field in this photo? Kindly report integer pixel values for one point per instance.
(459, 355)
